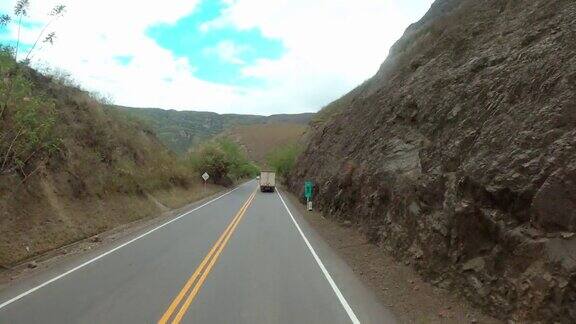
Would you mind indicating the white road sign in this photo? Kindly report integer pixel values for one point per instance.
(205, 176)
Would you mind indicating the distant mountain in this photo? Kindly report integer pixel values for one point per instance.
(258, 140)
(181, 130)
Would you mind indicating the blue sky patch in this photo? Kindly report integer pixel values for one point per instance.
(218, 54)
(6, 38)
(3, 29)
(30, 24)
(124, 59)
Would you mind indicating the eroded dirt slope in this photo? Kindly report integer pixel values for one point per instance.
(460, 154)
(103, 169)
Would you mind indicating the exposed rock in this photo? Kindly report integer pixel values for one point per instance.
(476, 264)
(555, 202)
(460, 154)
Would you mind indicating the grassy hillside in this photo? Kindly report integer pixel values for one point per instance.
(261, 139)
(181, 130)
(71, 168)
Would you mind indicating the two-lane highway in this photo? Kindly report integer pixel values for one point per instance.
(243, 257)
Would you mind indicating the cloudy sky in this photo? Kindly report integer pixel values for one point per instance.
(226, 56)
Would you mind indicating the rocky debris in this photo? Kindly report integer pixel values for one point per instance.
(96, 239)
(458, 156)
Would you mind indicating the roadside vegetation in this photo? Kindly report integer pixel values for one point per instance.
(41, 131)
(72, 167)
(283, 158)
(181, 131)
(27, 119)
(48, 124)
(223, 160)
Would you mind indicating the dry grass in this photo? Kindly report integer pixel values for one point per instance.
(51, 220)
(106, 171)
(260, 140)
(177, 197)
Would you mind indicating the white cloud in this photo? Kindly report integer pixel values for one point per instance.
(332, 45)
(228, 51)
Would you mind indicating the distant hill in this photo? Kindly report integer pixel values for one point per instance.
(260, 139)
(181, 130)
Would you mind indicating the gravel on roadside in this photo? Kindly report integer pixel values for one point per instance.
(397, 285)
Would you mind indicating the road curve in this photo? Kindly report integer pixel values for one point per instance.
(243, 257)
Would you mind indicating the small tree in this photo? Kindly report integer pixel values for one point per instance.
(26, 132)
(55, 13)
(223, 160)
(21, 11)
(283, 159)
(4, 20)
(212, 159)
(27, 117)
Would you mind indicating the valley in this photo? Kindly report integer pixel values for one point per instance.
(438, 189)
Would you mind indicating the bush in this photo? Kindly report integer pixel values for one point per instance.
(223, 160)
(27, 119)
(49, 126)
(282, 159)
(211, 158)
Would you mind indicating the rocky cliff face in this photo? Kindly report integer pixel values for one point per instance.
(460, 154)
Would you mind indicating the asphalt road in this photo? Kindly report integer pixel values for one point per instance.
(243, 257)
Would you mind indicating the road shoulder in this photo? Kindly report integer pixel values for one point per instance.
(362, 300)
(56, 261)
(397, 286)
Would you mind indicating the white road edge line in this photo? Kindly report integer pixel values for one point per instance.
(28, 292)
(337, 291)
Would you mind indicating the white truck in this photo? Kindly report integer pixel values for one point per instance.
(267, 181)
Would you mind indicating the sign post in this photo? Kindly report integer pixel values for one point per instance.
(308, 188)
(205, 176)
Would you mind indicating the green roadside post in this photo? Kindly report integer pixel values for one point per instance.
(308, 187)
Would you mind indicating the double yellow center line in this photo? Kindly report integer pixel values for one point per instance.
(193, 285)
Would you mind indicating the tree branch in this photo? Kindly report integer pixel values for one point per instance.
(26, 177)
(39, 36)
(18, 40)
(10, 148)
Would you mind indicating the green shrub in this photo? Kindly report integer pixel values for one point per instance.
(27, 119)
(211, 158)
(282, 159)
(223, 160)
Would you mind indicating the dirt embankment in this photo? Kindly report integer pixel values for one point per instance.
(43, 217)
(458, 155)
(71, 167)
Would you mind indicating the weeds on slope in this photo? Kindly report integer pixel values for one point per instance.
(223, 160)
(283, 158)
(26, 121)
